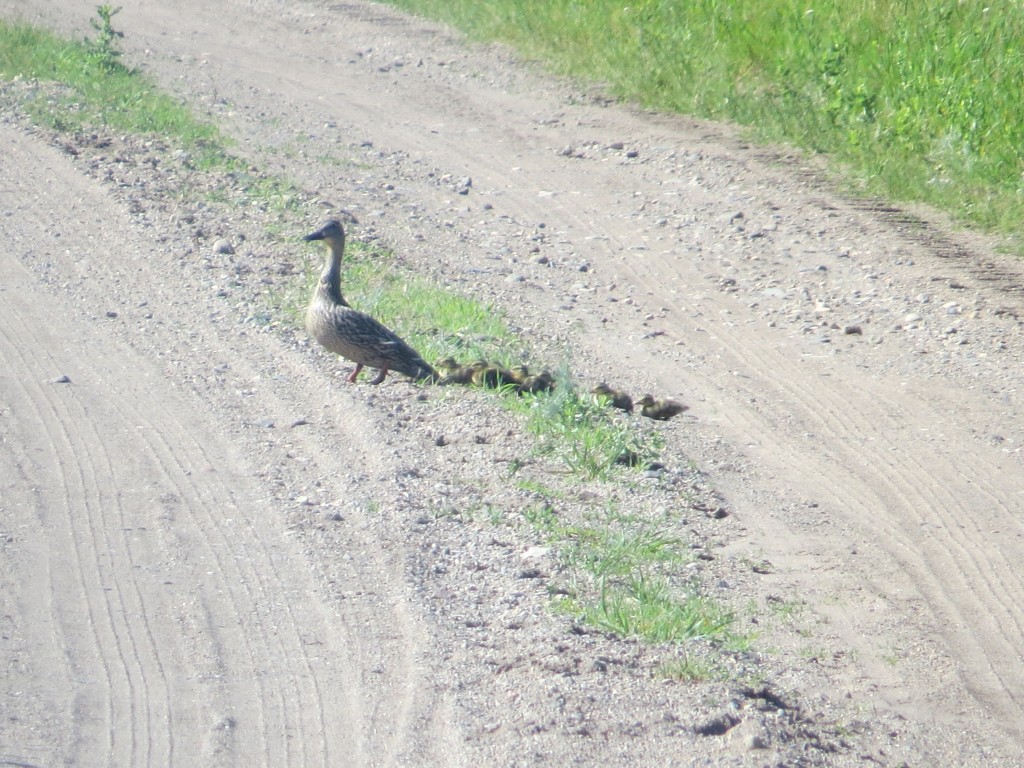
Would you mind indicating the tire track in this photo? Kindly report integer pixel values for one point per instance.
(199, 597)
(888, 500)
(139, 719)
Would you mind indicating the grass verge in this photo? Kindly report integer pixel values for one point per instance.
(97, 90)
(587, 436)
(619, 578)
(916, 100)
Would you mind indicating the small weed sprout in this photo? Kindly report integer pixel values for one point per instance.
(103, 50)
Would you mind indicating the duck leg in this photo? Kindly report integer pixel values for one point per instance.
(380, 376)
(352, 377)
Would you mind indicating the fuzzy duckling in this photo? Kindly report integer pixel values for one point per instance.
(447, 365)
(492, 376)
(354, 335)
(616, 398)
(453, 372)
(459, 374)
(662, 410)
(519, 374)
(542, 382)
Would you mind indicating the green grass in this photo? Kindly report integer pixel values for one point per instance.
(916, 100)
(93, 88)
(648, 609)
(691, 669)
(618, 585)
(616, 569)
(588, 437)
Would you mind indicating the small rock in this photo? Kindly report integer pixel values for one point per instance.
(111, 313)
(719, 726)
(223, 245)
(757, 742)
(535, 553)
(61, 380)
(853, 330)
(616, 145)
(632, 153)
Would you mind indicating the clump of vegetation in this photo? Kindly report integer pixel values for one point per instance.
(589, 437)
(917, 100)
(104, 49)
(84, 85)
(617, 571)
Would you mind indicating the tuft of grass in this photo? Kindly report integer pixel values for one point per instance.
(646, 608)
(614, 567)
(916, 100)
(91, 88)
(587, 436)
(691, 669)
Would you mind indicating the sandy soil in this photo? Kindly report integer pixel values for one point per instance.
(215, 552)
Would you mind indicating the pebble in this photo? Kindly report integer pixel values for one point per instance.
(757, 742)
(61, 380)
(224, 246)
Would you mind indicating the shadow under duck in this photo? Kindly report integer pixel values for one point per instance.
(352, 334)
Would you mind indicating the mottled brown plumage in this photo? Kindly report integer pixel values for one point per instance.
(616, 398)
(352, 334)
(662, 410)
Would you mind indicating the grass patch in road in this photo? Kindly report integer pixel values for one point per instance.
(617, 573)
(646, 608)
(618, 582)
(97, 90)
(916, 100)
(691, 669)
(590, 438)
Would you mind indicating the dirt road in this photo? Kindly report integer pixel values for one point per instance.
(854, 374)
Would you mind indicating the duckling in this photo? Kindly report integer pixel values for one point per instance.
(616, 398)
(519, 373)
(354, 335)
(454, 372)
(460, 374)
(492, 376)
(542, 382)
(448, 365)
(662, 410)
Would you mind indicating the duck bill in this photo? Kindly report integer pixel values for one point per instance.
(318, 235)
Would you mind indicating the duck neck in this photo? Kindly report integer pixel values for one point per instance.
(330, 278)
